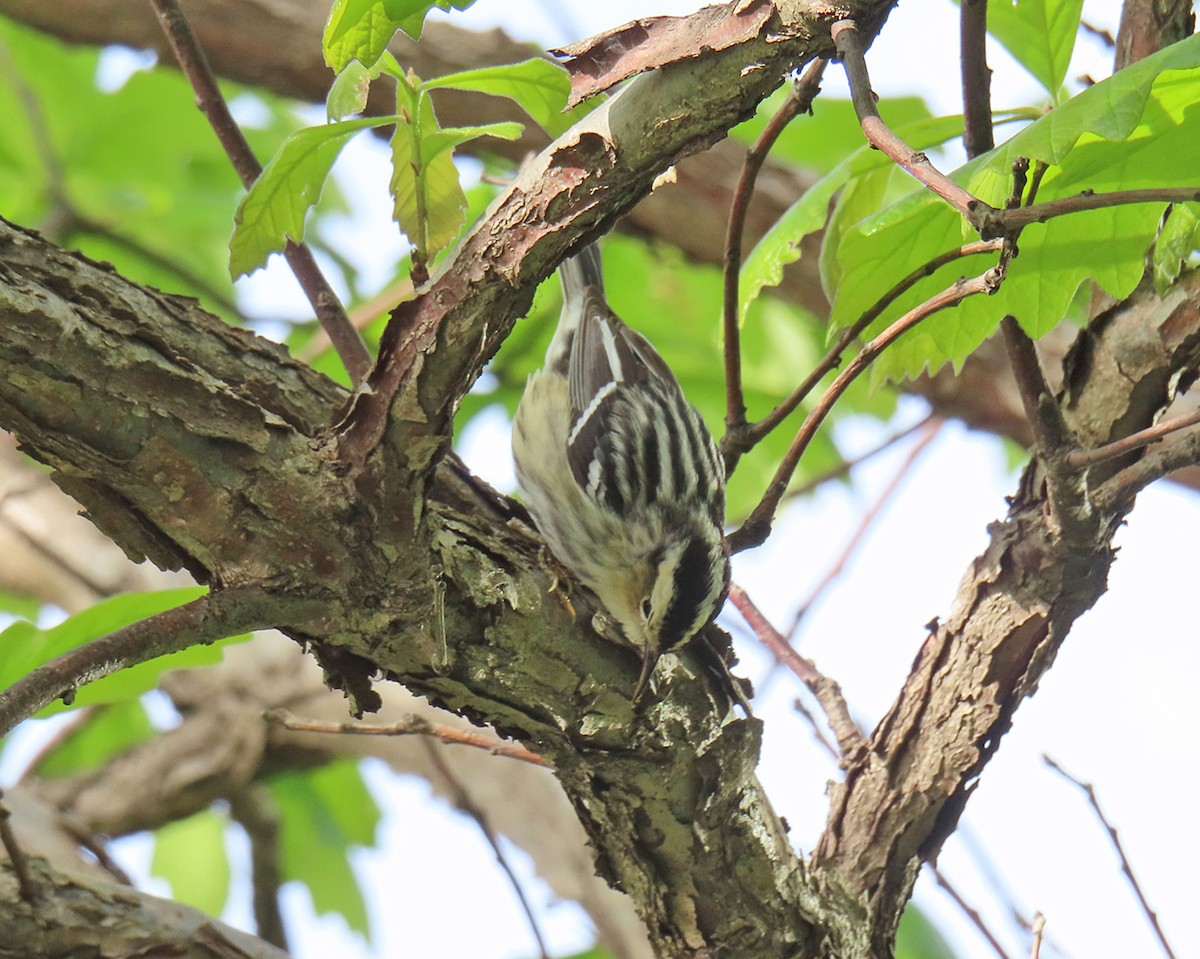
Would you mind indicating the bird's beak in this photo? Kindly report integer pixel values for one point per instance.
(649, 661)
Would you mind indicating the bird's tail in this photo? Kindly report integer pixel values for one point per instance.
(583, 290)
(580, 272)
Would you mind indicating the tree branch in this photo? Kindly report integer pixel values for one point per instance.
(213, 616)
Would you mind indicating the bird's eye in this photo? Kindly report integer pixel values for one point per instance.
(646, 609)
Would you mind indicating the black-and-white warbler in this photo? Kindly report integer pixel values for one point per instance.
(621, 474)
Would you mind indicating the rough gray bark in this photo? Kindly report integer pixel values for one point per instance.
(202, 446)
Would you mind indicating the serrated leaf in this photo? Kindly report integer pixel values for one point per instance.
(1040, 34)
(323, 814)
(362, 29)
(540, 87)
(428, 199)
(24, 647)
(780, 245)
(190, 855)
(105, 732)
(1113, 136)
(273, 211)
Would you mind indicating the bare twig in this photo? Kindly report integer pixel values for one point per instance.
(410, 725)
(878, 134)
(827, 692)
(26, 887)
(929, 429)
(345, 338)
(969, 911)
(1090, 791)
(976, 78)
(833, 357)
(463, 801)
(1005, 222)
(1039, 926)
(213, 616)
(1122, 488)
(799, 100)
(847, 465)
(1080, 459)
(758, 526)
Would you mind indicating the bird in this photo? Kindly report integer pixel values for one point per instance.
(621, 474)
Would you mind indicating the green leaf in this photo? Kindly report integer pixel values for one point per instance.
(15, 604)
(23, 647)
(428, 199)
(540, 87)
(105, 732)
(190, 855)
(1135, 130)
(1179, 239)
(348, 95)
(918, 938)
(780, 245)
(1040, 34)
(323, 814)
(273, 211)
(448, 138)
(362, 29)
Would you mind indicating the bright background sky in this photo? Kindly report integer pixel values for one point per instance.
(1118, 709)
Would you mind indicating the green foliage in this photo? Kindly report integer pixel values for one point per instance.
(1136, 129)
(918, 938)
(190, 855)
(1040, 34)
(24, 647)
(362, 29)
(133, 176)
(1178, 241)
(428, 199)
(99, 735)
(323, 814)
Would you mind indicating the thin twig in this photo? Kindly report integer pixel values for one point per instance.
(799, 100)
(929, 429)
(757, 526)
(845, 466)
(26, 887)
(976, 78)
(213, 616)
(1039, 926)
(410, 725)
(926, 436)
(833, 357)
(1081, 459)
(879, 135)
(463, 801)
(1005, 222)
(345, 338)
(1119, 491)
(969, 911)
(1090, 791)
(827, 692)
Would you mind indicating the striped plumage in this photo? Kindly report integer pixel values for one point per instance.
(621, 474)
